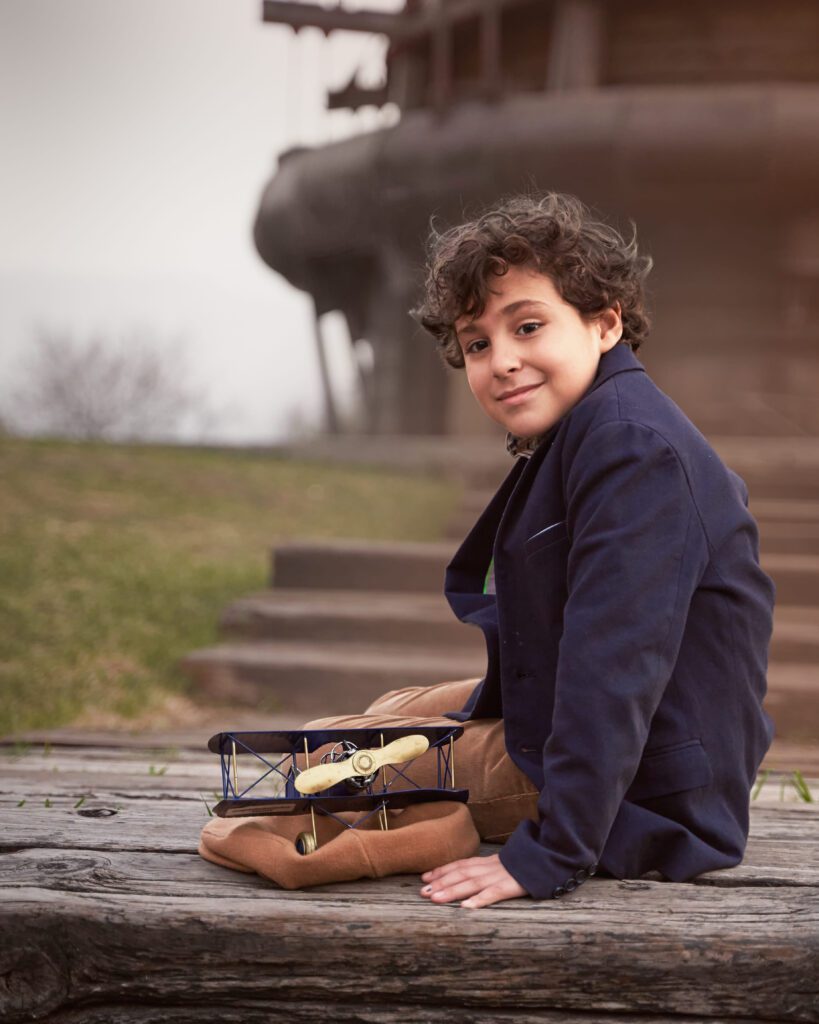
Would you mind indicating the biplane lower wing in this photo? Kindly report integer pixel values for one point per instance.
(334, 804)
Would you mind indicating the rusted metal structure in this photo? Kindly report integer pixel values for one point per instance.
(697, 119)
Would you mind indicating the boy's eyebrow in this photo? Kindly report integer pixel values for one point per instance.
(474, 328)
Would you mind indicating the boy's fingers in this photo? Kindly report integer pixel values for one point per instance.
(430, 876)
(460, 874)
(458, 890)
(459, 884)
(478, 869)
(483, 862)
(486, 897)
(501, 887)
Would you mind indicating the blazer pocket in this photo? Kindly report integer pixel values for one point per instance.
(673, 769)
(545, 538)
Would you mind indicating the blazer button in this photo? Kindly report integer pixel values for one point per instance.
(570, 885)
(558, 891)
(581, 875)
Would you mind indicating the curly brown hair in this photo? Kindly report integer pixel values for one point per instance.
(590, 263)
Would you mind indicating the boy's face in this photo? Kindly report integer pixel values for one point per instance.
(531, 356)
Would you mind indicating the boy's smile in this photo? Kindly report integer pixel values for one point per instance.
(531, 356)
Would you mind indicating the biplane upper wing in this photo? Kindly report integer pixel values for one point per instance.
(293, 742)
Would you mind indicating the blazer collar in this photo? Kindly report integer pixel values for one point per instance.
(616, 360)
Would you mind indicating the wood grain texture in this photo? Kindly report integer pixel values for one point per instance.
(171, 821)
(637, 947)
(359, 1012)
(107, 919)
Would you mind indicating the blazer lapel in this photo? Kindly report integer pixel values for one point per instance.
(466, 572)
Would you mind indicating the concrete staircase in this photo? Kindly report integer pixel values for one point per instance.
(344, 622)
(348, 620)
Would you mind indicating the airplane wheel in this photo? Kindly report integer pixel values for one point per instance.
(305, 843)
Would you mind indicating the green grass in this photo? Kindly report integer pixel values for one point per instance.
(116, 560)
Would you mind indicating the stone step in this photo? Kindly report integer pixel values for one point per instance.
(362, 565)
(331, 616)
(789, 538)
(785, 510)
(766, 510)
(320, 678)
(773, 467)
(786, 526)
(789, 755)
(349, 616)
(796, 577)
(795, 635)
(793, 701)
(324, 679)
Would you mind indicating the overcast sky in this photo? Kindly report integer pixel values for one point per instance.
(136, 139)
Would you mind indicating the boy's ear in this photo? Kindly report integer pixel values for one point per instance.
(611, 327)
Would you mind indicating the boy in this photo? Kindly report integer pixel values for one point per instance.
(615, 575)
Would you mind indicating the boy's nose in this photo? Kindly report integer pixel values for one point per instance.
(505, 359)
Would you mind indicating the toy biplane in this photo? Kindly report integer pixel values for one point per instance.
(364, 770)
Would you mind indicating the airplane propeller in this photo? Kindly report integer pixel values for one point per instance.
(361, 763)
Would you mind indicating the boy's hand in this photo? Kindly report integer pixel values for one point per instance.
(477, 882)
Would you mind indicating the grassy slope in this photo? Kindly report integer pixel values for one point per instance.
(116, 560)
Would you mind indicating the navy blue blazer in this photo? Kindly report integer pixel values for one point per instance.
(627, 640)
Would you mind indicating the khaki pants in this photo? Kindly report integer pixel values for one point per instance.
(500, 795)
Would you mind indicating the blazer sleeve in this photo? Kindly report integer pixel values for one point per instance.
(637, 553)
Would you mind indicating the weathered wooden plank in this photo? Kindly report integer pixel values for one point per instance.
(195, 738)
(172, 821)
(767, 862)
(784, 755)
(770, 861)
(136, 873)
(78, 782)
(155, 933)
(179, 874)
(172, 826)
(99, 761)
(146, 789)
(158, 770)
(11, 791)
(244, 1012)
(639, 947)
(150, 747)
(35, 794)
(794, 821)
(138, 780)
(99, 756)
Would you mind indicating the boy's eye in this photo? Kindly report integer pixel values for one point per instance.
(529, 327)
(478, 345)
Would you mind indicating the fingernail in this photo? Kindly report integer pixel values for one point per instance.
(427, 888)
